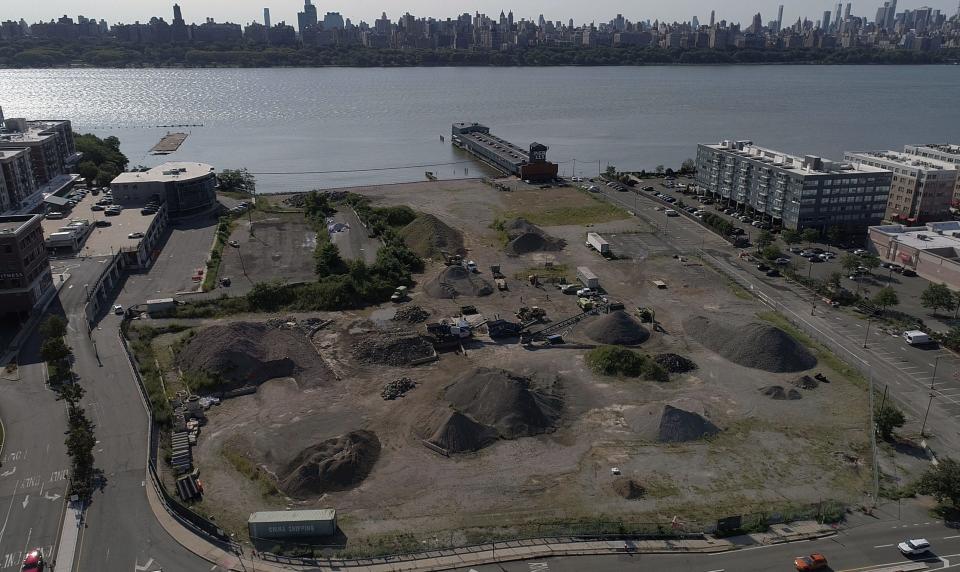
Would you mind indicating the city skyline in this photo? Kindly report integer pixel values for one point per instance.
(245, 11)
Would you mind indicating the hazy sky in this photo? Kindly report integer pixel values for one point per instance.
(243, 11)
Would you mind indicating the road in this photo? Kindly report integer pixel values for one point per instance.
(907, 371)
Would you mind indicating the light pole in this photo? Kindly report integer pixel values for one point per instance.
(924, 425)
(869, 321)
(933, 379)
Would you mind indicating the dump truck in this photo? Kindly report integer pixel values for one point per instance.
(597, 242)
(587, 278)
(534, 313)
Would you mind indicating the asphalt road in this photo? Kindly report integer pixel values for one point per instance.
(34, 470)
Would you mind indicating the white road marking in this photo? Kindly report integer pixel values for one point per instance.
(26, 501)
(12, 497)
(144, 568)
(884, 546)
(951, 537)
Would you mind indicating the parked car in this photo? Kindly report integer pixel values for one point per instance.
(782, 261)
(908, 273)
(103, 223)
(671, 212)
(33, 561)
(808, 253)
(96, 207)
(860, 252)
(815, 561)
(111, 212)
(670, 200)
(773, 273)
(737, 231)
(914, 547)
(648, 188)
(568, 288)
(55, 215)
(234, 243)
(796, 249)
(118, 309)
(148, 211)
(134, 235)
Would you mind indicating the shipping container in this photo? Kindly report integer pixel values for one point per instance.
(587, 278)
(598, 243)
(292, 523)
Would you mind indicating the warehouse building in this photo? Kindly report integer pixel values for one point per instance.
(529, 165)
(186, 188)
(797, 192)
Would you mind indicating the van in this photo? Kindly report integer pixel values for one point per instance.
(916, 337)
(671, 212)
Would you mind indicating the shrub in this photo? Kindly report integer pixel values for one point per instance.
(620, 361)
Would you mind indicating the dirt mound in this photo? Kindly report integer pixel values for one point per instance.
(429, 237)
(396, 348)
(806, 382)
(756, 345)
(334, 465)
(460, 434)
(411, 315)
(629, 488)
(617, 329)
(525, 238)
(456, 281)
(778, 393)
(674, 363)
(397, 388)
(679, 426)
(244, 354)
(508, 403)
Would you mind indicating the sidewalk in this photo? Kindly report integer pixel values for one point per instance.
(487, 554)
(67, 547)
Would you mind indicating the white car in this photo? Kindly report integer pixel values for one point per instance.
(586, 293)
(135, 235)
(914, 547)
(118, 309)
(860, 252)
(671, 212)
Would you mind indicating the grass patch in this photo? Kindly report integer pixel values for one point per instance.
(823, 354)
(224, 230)
(141, 344)
(620, 361)
(499, 226)
(552, 274)
(660, 486)
(249, 469)
(561, 215)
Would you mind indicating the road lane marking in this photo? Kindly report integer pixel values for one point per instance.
(951, 537)
(884, 545)
(12, 498)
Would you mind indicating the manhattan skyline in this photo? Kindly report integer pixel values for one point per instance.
(244, 11)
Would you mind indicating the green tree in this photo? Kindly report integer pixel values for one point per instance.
(55, 351)
(611, 171)
(237, 181)
(952, 338)
(108, 172)
(771, 252)
(888, 418)
(810, 235)
(764, 239)
(936, 296)
(790, 236)
(88, 170)
(54, 327)
(835, 235)
(942, 481)
(870, 261)
(849, 263)
(327, 260)
(660, 170)
(886, 297)
(689, 166)
(834, 280)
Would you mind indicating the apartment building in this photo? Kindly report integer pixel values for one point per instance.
(922, 188)
(51, 145)
(16, 178)
(25, 276)
(940, 152)
(797, 192)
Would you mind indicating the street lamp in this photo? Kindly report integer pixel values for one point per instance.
(869, 321)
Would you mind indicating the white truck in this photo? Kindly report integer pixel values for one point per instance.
(916, 338)
(598, 243)
(587, 278)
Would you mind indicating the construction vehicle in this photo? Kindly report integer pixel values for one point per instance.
(399, 295)
(445, 336)
(586, 304)
(532, 314)
(646, 315)
(503, 329)
(468, 310)
(451, 259)
(527, 337)
(501, 283)
(534, 280)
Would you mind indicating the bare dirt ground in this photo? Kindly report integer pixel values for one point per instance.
(280, 248)
(768, 452)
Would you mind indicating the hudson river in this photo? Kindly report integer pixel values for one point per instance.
(310, 122)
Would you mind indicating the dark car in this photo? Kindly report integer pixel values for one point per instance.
(103, 223)
(907, 272)
(773, 273)
(762, 267)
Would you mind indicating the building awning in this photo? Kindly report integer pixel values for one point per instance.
(55, 200)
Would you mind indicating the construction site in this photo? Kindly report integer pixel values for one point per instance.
(473, 406)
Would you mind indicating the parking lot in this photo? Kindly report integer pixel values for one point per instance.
(110, 233)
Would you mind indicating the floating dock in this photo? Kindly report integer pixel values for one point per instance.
(169, 144)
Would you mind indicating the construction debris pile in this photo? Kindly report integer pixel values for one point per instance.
(487, 404)
(525, 238)
(629, 488)
(396, 348)
(757, 345)
(397, 388)
(430, 237)
(455, 281)
(246, 354)
(674, 363)
(336, 464)
(411, 315)
(617, 329)
(778, 393)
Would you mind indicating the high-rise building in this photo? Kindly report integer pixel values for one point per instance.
(308, 18)
(266, 17)
(846, 11)
(836, 16)
(891, 14)
(333, 21)
(799, 192)
(713, 17)
(780, 18)
(177, 14)
(695, 23)
(825, 23)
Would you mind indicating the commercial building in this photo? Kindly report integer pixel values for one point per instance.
(922, 189)
(932, 250)
(185, 188)
(530, 165)
(25, 276)
(292, 524)
(16, 178)
(797, 192)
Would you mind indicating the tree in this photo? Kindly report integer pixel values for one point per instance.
(886, 297)
(936, 296)
(108, 172)
(942, 481)
(688, 166)
(771, 252)
(88, 170)
(835, 234)
(327, 260)
(956, 311)
(790, 236)
(810, 235)
(54, 327)
(611, 171)
(952, 338)
(834, 280)
(54, 351)
(871, 262)
(237, 181)
(661, 169)
(888, 418)
(764, 239)
(849, 263)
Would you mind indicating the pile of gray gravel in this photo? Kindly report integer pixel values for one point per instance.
(754, 344)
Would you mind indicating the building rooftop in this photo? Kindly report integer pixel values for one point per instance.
(293, 515)
(932, 236)
(14, 223)
(165, 173)
(808, 164)
(104, 241)
(906, 160)
(10, 153)
(35, 131)
(947, 148)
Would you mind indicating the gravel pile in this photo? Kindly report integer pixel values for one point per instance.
(629, 488)
(246, 354)
(674, 363)
(757, 345)
(617, 329)
(456, 281)
(461, 434)
(679, 426)
(430, 237)
(397, 388)
(396, 348)
(411, 315)
(806, 382)
(778, 393)
(525, 238)
(333, 465)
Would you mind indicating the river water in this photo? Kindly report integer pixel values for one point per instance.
(333, 127)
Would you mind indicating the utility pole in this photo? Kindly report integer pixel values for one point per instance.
(924, 424)
(867, 336)
(873, 443)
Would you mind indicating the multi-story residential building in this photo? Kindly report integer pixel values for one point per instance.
(25, 276)
(51, 145)
(799, 193)
(16, 178)
(922, 189)
(945, 152)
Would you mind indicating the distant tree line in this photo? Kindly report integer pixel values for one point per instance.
(34, 53)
